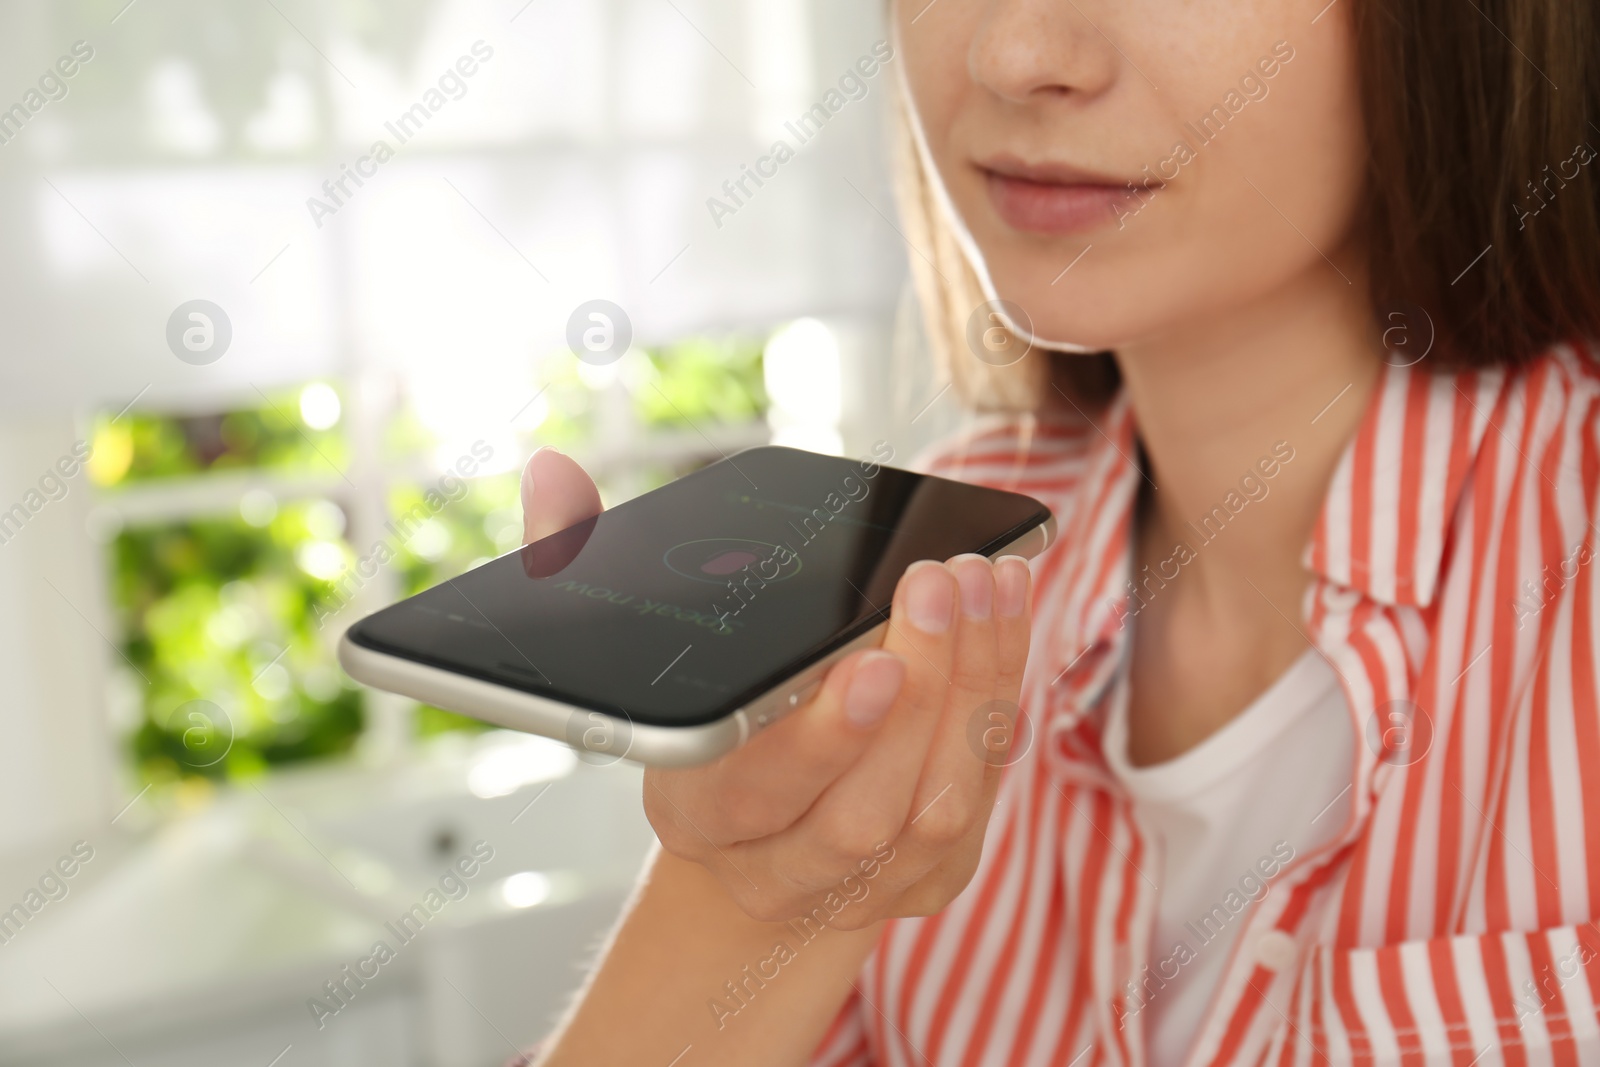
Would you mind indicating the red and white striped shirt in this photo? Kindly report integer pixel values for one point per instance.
(1450, 921)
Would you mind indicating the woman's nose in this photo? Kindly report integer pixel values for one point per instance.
(1028, 50)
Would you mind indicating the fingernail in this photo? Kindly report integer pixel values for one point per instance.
(930, 598)
(872, 689)
(527, 479)
(977, 585)
(527, 470)
(1010, 586)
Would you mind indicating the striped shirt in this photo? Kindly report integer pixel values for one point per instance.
(1449, 920)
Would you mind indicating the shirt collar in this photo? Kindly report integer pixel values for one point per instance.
(1086, 638)
(1386, 518)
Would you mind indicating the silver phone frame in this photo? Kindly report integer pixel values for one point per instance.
(606, 736)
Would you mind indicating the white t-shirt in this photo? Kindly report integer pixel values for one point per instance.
(1227, 815)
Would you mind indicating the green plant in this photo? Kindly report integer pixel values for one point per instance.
(144, 446)
(217, 609)
(704, 379)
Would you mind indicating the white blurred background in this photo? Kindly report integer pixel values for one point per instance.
(239, 821)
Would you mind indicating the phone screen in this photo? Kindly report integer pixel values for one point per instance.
(685, 603)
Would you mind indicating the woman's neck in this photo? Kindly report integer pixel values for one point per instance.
(1216, 397)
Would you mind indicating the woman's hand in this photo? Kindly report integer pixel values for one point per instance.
(876, 779)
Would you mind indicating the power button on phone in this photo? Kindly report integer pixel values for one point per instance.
(804, 693)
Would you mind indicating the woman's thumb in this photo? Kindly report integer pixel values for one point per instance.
(556, 494)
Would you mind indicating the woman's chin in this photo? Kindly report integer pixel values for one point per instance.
(1096, 310)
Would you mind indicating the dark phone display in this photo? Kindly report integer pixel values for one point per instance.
(681, 605)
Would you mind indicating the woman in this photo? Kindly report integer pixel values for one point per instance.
(1310, 766)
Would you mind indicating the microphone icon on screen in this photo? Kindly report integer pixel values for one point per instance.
(717, 559)
(728, 562)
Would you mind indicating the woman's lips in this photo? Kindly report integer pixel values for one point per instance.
(1059, 207)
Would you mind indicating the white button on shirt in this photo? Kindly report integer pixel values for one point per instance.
(1275, 949)
(1228, 815)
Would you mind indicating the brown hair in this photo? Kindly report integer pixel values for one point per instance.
(1482, 205)
(1482, 141)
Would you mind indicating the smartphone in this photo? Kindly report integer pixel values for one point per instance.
(672, 628)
